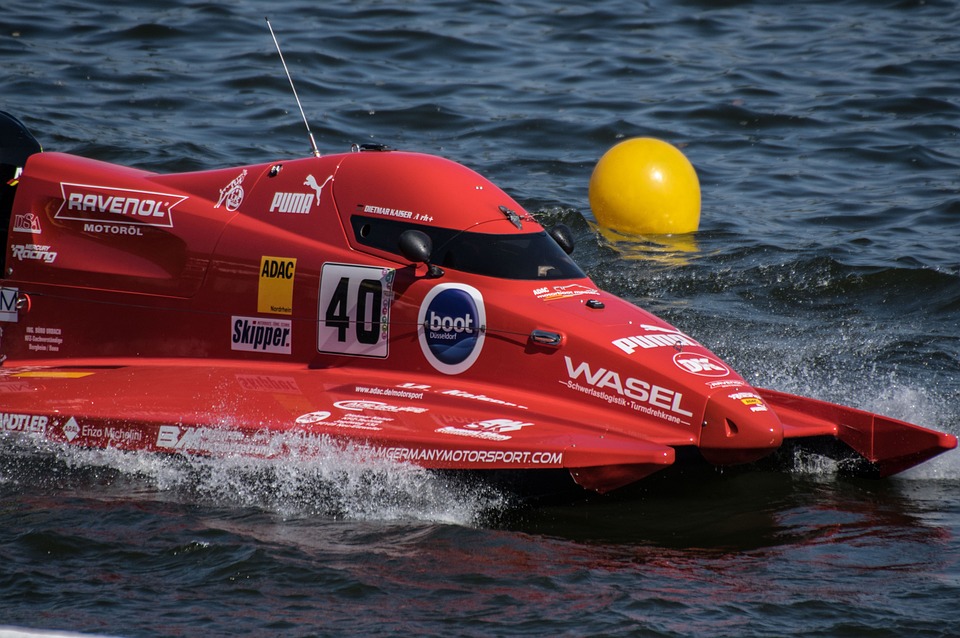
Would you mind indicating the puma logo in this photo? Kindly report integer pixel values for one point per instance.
(317, 188)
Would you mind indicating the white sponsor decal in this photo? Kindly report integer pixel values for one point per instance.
(8, 304)
(299, 203)
(639, 395)
(88, 203)
(35, 423)
(491, 429)
(113, 229)
(27, 223)
(499, 457)
(33, 252)
(654, 337)
(255, 334)
(700, 364)
(377, 406)
(71, 429)
(726, 383)
(388, 212)
(231, 195)
(43, 339)
(351, 420)
(113, 434)
(549, 293)
(749, 399)
(209, 440)
(481, 397)
(389, 392)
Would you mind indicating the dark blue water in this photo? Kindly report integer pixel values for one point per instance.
(826, 140)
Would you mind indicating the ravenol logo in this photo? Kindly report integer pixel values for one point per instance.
(452, 325)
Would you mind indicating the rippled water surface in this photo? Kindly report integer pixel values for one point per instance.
(825, 136)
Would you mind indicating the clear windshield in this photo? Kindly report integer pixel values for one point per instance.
(524, 256)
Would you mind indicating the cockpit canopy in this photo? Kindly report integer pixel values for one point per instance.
(530, 255)
(471, 223)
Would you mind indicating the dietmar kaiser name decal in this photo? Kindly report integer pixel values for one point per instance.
(88, 203)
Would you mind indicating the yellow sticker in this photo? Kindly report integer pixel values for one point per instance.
(275, 294)
(51, 374)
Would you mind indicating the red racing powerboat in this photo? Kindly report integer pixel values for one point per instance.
(393, 303)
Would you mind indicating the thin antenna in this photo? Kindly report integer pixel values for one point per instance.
(313, 142)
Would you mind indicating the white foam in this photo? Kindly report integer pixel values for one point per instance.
(327, 481)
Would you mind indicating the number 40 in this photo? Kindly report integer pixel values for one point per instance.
(353, 310)
(369, 294)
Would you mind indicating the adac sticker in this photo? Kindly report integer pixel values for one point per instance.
(275, 292)
(452, 322)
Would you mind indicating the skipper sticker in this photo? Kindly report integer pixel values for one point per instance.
(452, 322)
(256, 334)
(275, 293)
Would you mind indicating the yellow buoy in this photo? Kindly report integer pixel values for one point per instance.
(644, 186)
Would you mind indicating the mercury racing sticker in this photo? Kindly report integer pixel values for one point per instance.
(33, 252)
(451, 326)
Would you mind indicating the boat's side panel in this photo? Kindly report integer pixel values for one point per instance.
(280, 410)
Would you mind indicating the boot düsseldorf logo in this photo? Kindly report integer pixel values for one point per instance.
(452, 324)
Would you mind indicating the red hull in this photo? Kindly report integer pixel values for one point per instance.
(393, 302)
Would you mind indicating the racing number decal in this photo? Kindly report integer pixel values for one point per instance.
(366, 325)
(353, 316)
